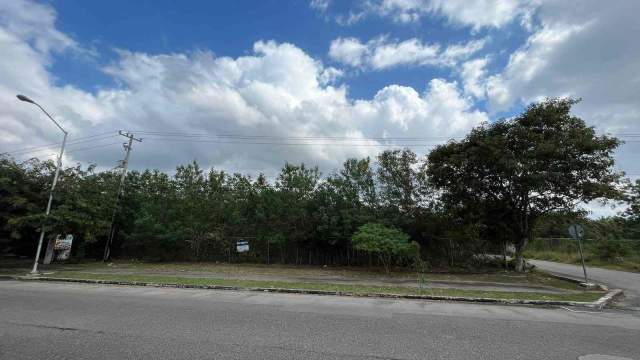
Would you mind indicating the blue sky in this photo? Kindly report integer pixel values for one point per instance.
(313, 81)
(231, 29)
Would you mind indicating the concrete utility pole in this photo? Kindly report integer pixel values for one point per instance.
(53, 185)
(125, 166)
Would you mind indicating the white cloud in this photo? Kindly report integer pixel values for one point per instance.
(380, 53)
(349, 51)
(473, 76)
(276, 91)
(475, 14)
(320, 5)
(448, 112)
(412, 51)
(456, 52)
(580, 49)
(34, 23)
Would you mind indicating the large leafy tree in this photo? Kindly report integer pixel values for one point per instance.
(541, 161)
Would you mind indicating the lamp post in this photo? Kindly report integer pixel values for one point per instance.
(55, 179)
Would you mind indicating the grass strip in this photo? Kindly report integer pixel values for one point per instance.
(216, 270)
(585, 296)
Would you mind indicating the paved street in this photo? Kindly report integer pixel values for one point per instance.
(628, 281)
(56, 320)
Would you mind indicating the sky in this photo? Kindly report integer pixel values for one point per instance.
(245, 86)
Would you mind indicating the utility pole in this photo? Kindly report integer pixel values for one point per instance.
(34, 271)
(125, 166)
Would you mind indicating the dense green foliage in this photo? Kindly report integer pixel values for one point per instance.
(297, 217)
(385, 242)
(632, 215)
(471, 196)
(518, 170)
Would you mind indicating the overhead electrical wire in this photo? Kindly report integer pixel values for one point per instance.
(71, 151)
(286, 143)
(271, 140)
(257, 140)
(79, 140)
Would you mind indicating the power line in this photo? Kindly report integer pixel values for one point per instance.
(93, 147)
(241, 136)
(283, 140)
(288, 143)
(31, 149)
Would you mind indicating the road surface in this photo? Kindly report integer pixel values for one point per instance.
(80, 321)
(628, 281)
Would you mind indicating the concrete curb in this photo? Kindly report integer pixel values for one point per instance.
(574, 280)
(598, 304)
(608, 298)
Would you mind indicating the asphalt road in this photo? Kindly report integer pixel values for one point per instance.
(628, 281)
(80, 321)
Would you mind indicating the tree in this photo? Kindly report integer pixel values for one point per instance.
(23, 195)
(385, 242)
(400, 185)
(296, 185)
(633, 199)
(542, 161)
(631, 216)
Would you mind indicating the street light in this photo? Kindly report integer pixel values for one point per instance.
(55, 179)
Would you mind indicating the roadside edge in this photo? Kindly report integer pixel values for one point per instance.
(598, 304)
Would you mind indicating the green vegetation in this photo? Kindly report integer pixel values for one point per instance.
(385, 242)
(510, 173)
(628, 263)
(585, 296)
(355, 274)
(478, 195)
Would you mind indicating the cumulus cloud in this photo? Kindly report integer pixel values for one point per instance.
(275, 92)
(381, 53)
(579, 49)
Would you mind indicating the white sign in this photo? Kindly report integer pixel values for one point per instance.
(62, 247)
(242, 245)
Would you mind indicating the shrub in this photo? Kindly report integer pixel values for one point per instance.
(610, 250)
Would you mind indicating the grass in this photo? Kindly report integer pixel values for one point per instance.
(630, 263)
(312, 278)
(584, 296)
(357, 273)
(295, 273)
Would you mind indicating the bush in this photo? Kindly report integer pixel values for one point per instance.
(609, 250)
(385, 242)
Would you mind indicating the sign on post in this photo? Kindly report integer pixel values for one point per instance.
(242, 245)
(577, 233)
(62, 247)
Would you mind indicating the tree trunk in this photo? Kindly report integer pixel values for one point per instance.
(520, 246)
(386, 262)
(504, 256)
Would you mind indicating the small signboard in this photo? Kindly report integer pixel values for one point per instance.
(242, 245)
(62, 247)
(576, 231)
